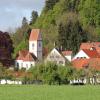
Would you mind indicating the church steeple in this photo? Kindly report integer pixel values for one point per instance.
(35, 43)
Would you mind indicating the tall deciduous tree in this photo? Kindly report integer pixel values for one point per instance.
(6, 48)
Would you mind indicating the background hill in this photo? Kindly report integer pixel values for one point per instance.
(76, 20)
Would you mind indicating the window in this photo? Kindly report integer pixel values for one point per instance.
(77, 57)
(57, 56)
(60, 62)
(51, 57)
(32, 45)
(17, 64)
(39, 44)
(31, 65)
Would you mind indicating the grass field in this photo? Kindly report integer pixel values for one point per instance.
(32, 92)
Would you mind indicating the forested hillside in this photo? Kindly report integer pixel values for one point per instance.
(67, 23)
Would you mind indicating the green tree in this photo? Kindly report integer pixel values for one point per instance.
(49, 4)
(69, 35)
(52, 74)
(34, 17)
(24, 22)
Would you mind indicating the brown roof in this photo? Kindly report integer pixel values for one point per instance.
(92, 53)
(67, 53)
(35, 33)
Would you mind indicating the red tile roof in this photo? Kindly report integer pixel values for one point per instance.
(96, 45)
(25, 55)
(80, 63)
(94, 63)
(35, 33)
(65, 53)
(92, 53)
(22, 54)
(20, 57)
(28, 57)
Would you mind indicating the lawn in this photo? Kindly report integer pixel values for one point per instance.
(45, 92)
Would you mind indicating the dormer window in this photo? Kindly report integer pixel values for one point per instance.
(93, 48)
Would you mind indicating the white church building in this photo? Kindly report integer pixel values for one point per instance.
(28, 58)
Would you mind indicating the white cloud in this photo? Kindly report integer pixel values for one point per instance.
(12, 11)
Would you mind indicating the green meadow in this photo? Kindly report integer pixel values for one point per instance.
(45, 92)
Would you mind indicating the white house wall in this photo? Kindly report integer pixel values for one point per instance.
(19, 64)
(81, 54)
(33, 49)
(27, 65)
(69, 57)
(37, 49)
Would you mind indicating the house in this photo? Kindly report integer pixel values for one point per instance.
(28, 58)
(86, 54)
(87, 58)
(68, 55)
(56, 57)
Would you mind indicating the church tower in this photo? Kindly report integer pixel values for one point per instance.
(35, 43)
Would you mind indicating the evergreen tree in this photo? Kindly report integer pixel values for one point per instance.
(34, 16)
(69, 35)
(49, 4)
(24, 22)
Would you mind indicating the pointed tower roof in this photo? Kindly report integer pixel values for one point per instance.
(35, 35)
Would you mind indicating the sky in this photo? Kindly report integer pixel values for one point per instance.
(12, 12)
